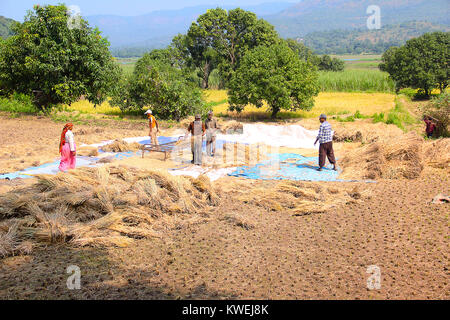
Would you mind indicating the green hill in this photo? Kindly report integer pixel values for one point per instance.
(5, 27)
(321, 15)
(368, 41)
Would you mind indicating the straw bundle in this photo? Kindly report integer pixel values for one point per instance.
(121, 146)
(296, 198)
(388, 159)
(102, 207)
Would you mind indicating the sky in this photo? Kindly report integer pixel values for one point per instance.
(16, 9)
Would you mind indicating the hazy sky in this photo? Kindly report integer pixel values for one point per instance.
(16, 9)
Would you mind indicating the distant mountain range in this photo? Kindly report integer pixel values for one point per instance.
(5, 27)
(328, 26)
(156, 29)
(362, 40)
(320, 15)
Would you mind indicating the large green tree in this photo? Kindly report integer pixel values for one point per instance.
(56, 63)
(275, 75)
(423, 63)
(220, 38)
(162, 87)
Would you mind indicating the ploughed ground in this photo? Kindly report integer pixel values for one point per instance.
(254, 245)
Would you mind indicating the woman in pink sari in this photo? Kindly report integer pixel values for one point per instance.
(67, 148)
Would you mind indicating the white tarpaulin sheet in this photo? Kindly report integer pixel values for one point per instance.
(291, 136)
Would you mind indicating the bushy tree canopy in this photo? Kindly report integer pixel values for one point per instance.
(274, 75)
(56, 63)
(326, 63)
(220, 38)
(162, 87)
(423, 63)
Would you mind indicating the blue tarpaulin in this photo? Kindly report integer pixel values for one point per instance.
(52, 168)
(287, 166)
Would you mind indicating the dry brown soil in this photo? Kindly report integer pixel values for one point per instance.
(244, 251)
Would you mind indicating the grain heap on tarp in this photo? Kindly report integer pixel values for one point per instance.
(385, 159)
(101, 207)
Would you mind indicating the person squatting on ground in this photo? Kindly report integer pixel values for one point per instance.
(67, 149)
(431, 126)
(197, 130)
(154, 128)
(325, 138)
(211, 134)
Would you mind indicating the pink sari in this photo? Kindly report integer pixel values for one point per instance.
(68, 161)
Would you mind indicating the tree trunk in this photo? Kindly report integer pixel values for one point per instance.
(206, 73)
(275, 112)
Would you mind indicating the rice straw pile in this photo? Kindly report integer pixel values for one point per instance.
(101, 207)
(437, 153)
(121, 146)
(299, 198)
(385, 159)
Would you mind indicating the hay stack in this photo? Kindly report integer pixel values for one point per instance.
(101, 207)
(87, 151)
(387, 159)
(437, 153)
(365, 132)
(121, 146)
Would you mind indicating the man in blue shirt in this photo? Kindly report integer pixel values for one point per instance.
(325, 138)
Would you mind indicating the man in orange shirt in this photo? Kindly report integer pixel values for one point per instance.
(154, 127)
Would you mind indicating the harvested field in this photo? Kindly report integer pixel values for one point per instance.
(136, 232)
(101, 207)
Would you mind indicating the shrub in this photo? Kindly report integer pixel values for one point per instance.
(378, 117)
(18, 103)
(439, 109)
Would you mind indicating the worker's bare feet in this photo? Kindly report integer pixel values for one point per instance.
(335, 168)
(320, 169)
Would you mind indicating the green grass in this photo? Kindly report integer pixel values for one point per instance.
(355, 80)
(18, 104)
(363, 65)
(378, 117)
(351, 118)
(398, 116)
(127, 65)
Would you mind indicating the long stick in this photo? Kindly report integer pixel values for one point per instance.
(432, 118)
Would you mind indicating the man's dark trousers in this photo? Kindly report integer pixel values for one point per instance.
(326, 151)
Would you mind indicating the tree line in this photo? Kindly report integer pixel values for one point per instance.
(56, 64)
(422, 63)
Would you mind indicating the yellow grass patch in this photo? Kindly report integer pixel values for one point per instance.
(331, 103)
(84, 106)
